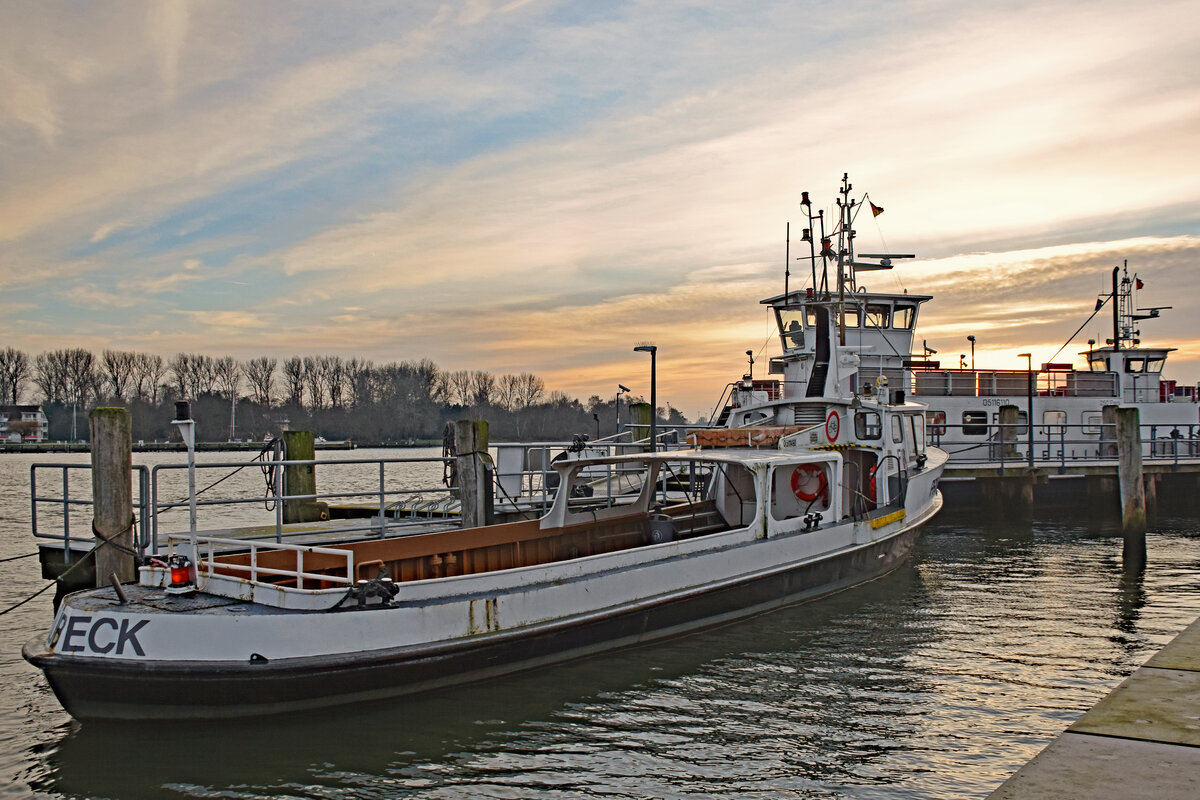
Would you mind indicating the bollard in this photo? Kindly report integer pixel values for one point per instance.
(112, 493)
(474, 476)
(1133, 492)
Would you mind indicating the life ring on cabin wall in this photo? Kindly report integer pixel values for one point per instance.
(874, 498)
(833, 425)
(809, 482)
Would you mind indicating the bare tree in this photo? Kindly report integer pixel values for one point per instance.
(118, 369)
(360, 381)
(204, 372)
(528, 389)
(336, 376)
(315, 368)
(50, 375)
(229, 376)
(181, 373)
(15, 371)
(483, 386)
(260, 374)
(148, 372)
(458, 387)
(293, 376)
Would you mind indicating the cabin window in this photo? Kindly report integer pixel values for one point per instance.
(974, 423)
(1135, 364)
(1154, 364)
(876, 316)
(897, 429)
(867, 425)
(810, 317)
(905, 317)
(850, 318)
(1099, 364)
(1092, 421)
(1054, 422)
(916, 431)
(791, 328)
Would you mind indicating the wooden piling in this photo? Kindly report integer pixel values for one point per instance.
(1010, 417)
(301, 479)
(474, 478)
(639, 420)
(112, 493)
(1133, 492)
(1108, 431)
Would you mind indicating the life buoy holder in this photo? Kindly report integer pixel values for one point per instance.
(833, 425)
(874, 498)
(809, 482)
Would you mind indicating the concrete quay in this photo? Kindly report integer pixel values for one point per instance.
(1142, 740)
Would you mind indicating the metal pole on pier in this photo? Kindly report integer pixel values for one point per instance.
(110, 432)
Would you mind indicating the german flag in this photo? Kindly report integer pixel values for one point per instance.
(875, 210)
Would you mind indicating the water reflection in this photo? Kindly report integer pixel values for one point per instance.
(936, 681)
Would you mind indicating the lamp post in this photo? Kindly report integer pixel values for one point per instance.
(653, 351)
(1029, 414)
(971, 339)
(621, 389)
(187, 430)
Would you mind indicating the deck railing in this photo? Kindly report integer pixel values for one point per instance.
(1007, 445)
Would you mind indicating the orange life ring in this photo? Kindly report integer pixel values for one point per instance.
(803, 477)
(871, 484)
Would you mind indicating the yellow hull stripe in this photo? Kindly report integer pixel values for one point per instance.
(895, 516)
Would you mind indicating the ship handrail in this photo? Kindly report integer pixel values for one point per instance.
(177, 543)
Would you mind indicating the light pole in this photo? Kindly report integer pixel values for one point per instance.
(971, 339)
(1029, 414)
(653, 351)
(187, 430)
(621, 389)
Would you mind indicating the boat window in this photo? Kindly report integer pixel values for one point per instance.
(1092, 421)
(916, 426)
(937, 422)
(791, 328)
(1020, 424)
(1135, 364)
(867, 425)
(904, 318)
(897, 430)
(876, 316)
(850, 318)
(1099, 364)
(811, 317)
(974, 423)
(1054, 421)
(1154, 364)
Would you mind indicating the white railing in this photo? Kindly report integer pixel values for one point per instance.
(205, 553)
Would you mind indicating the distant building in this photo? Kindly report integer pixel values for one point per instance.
(23, 424)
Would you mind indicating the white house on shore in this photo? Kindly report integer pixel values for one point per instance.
(23, 424)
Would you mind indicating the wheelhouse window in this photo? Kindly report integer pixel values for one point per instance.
(791, 327)
(897, 429)
(1135, 365)
(1098, 364)
(904, 318)
(850, 318)
(1154, 364)
(877, 316)
(916, 429)
(974, 423)
(867, 425)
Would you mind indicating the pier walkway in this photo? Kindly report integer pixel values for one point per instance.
(1142, 740)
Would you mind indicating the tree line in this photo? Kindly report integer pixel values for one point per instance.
(335, 397)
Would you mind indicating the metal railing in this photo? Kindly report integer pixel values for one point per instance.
(1007, 445)
(206, 552)
(65, 503)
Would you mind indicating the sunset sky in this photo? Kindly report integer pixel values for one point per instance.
(537, 186)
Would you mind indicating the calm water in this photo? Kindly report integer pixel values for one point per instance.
(937, 681)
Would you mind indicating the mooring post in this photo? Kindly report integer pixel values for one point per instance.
(1108, 431)
(639, 420)
(1133, 491)
(474, 477)
(112, 493)
(301, 479)
(1010, 417)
